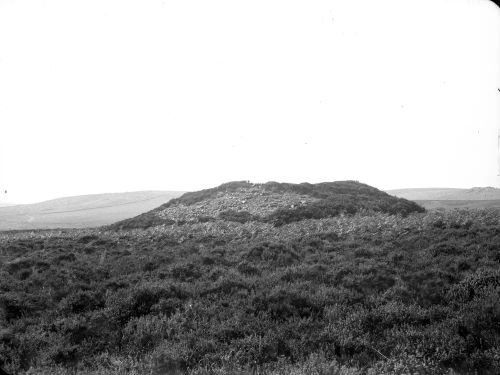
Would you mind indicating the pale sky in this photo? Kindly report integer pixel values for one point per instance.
(119, 95)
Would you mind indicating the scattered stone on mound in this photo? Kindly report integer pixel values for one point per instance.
(254, 200)
(277, 203)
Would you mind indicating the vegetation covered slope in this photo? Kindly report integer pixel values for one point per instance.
(367, 293)
(277, 203)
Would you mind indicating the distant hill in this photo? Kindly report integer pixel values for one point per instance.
(449, 198)
(82, 211)
(476, 193)
(423, 193)
(460, 204)
(273, 202)
(7, 204)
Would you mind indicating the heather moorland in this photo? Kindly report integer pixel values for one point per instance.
(333, 278)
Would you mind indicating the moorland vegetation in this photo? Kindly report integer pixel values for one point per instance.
(326, 281)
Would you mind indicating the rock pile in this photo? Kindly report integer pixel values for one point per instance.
(255, 200)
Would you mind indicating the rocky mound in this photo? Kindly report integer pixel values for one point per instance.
(272, 202)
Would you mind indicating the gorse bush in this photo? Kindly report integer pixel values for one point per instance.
(238, 216)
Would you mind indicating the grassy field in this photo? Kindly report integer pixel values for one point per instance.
(459, 204)
(368, 292)
(425, 193)
(81, 211)
(443, 194)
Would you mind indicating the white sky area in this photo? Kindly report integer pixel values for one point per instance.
(118, 95)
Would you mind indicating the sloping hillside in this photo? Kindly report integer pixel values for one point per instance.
(82, 211)
(476, 193)
(3, 205)
(428, 194)
(447, 199)
(448, 204)
(423, 193)
(272, 202)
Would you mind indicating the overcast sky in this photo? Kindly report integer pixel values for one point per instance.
(118, 95)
